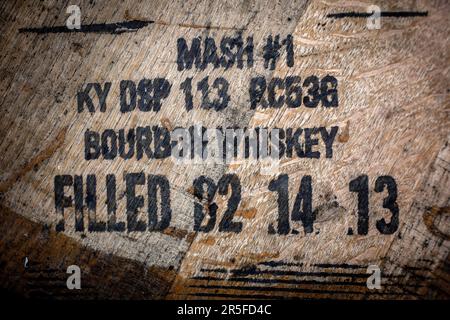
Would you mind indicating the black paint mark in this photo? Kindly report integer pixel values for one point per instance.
(237, 296)
(112, 28)
(392, 14)
(252, 271)
(290, 290)
(297, 282)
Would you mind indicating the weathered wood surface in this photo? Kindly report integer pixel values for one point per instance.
(393, 116)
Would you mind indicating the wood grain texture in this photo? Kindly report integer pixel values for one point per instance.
(393, 116)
